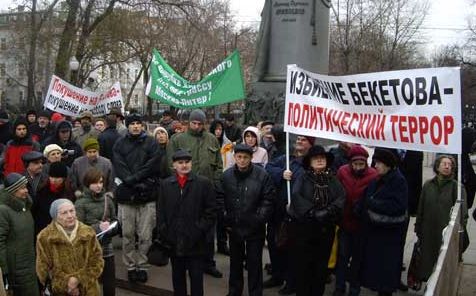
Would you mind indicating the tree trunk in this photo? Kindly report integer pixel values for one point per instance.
(69, 33)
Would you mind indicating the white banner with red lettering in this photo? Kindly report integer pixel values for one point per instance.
(410, 109)
(67, 99)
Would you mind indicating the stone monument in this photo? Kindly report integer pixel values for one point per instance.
(291, 32)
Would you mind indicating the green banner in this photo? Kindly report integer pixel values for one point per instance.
(222, 85)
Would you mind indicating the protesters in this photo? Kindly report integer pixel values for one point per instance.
(86, 130)
(248, 198)
(207, 162)
(41, 130)
(317, 204)
(232, 131)
(30, 117)
(99, 125)
(57, 186)
(63, 138)
(17, 255)
(92, 159)
(33, 162)
(68, 253)
(355, 177)
(115, 114)
(186, 213)
(108, 138)
(136, 157)
(20, 144)
(96, 208)
(384, 213)
(438, 196)
(282, 261)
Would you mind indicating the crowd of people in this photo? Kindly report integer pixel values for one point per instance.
(192, 187)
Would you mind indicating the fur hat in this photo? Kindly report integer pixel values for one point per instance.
(91, 143)
(132, 118)
(55, 206)
(358, 152)
(386, 156)
(14, 181)
(50, 148)
(197, 115)
(58, 170)
(86, 114)
(315, 151)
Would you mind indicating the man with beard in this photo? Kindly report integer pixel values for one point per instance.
(63, 138)
(16, 147)
(80, 134)
(41, 130)
(355, 177)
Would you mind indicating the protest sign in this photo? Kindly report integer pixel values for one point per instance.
(411, 109)
(222, 85)
(67, 99)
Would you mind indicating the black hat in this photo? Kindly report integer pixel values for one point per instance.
(133, 117)
(20, 121)
(243, 148)
(32, 156)
(58, 170)
(315, 151)
(181, 154)
(14, 181)
(387, 156)
(44, 113)
(116, 111)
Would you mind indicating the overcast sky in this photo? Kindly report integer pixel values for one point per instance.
(445, 24)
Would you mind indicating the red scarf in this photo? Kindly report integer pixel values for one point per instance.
(182, 180)
(55, 188)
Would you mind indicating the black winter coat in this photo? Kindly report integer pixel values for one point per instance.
(185, 216)
(106, 140)
(248, 201)
(303, 207)
(134, 160)
(69, 145)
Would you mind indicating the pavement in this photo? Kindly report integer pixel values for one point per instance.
(160, 281)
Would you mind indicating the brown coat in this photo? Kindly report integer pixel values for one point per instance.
(60, 259)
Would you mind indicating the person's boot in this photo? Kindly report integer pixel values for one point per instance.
(132, 275)
(214, 272)
(272, 282)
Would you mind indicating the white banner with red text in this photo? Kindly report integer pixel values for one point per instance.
(69, 100)
(416, 109)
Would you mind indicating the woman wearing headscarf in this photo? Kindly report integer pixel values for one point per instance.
(438, 196)
(383, 211)
(17, 234)
(316, 205)
(68, 253)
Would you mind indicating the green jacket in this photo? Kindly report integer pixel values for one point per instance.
(205, 150)
(90, 211)
(17, 251)
(436, 200)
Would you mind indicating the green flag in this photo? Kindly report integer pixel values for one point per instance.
(222, 85)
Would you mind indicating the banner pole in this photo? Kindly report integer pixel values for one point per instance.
(288, 183)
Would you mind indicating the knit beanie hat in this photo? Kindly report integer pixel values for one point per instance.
(50, 148)
(14, 181)
(133, 117)
(56, 205)
(160, 128)
(58, 170)
(91, 143)
(197, 115)
(358, 152)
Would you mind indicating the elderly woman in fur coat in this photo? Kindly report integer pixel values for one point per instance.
(68, 253)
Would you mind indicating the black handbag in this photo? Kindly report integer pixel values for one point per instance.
(158, 254)
(413, 281)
